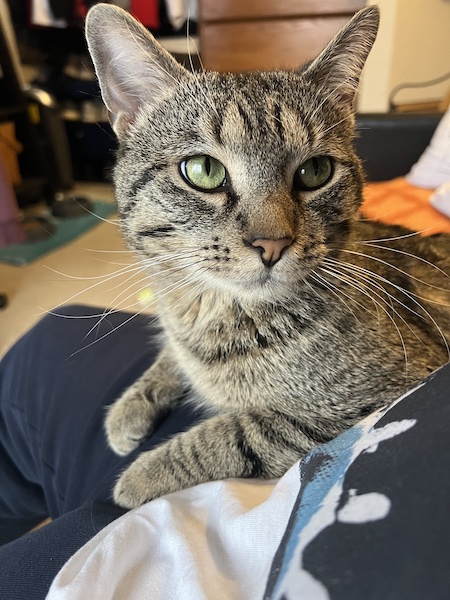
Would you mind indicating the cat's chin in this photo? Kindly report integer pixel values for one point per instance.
(265, 288)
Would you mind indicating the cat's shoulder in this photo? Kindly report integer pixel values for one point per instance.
(375, 231)
(394, 244)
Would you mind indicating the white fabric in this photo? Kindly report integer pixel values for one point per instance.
(42, 15)
(433, 167)
(441, 199)
(214, 541)
(179, 11)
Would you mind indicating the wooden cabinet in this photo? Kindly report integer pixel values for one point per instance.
(242, 35)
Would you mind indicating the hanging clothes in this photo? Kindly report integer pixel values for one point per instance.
(180, 11)
(43, 16)
(147, 12)
(80, 9)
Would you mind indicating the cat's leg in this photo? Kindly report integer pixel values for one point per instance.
(246, 445)
(133, 416)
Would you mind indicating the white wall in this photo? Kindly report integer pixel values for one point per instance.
(413, 45)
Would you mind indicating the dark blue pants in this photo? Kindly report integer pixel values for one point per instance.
(54, 460)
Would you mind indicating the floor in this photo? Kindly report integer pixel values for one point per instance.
(92, 270)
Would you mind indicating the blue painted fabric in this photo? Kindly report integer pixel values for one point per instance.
(371, 518)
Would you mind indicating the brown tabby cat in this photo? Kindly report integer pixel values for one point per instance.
(283, 314)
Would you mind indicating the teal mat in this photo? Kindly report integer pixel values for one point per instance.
(66, 231)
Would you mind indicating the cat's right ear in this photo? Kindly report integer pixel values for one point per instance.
(132, 68)
(338, 68)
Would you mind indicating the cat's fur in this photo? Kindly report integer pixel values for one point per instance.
(283, 356)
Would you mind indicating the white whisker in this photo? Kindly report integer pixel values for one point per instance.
(115, 222)
(109, 251)
(367, 275)
(390, 265)
(78, 278)
(134, 315)
(338, 293)
(117, 303)
(392, 239)
(364, 290)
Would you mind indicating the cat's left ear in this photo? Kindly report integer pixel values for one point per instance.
(132, 68)
(338, 68)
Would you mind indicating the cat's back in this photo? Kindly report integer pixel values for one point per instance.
(409, 269)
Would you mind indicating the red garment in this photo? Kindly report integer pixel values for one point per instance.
(147, 12)
(79, 10)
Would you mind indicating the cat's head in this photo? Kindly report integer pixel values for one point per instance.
(245, 181)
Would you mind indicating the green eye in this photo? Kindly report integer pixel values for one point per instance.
(314, 173)
(204, 172)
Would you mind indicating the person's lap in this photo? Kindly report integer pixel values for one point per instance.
(54, 460)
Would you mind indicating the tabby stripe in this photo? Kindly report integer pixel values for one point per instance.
(217, 128)
(309, 130)
(180, 482)
(142, 181)
(278, 122)
(232, 200)
(145, 178)
(342, 229)
(168, 187)
(124, 210)
(310, 432)
(369, 409)
(180, 463)
(157, 231)
(186, 222)
(273, 435)
(249, 455)
(261, 121)
(246, 119)
(298, 320)
(261, 340)
(197, 458)
(221, 354)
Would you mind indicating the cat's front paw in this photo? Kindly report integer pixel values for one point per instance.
(128, 423)
(145, 479)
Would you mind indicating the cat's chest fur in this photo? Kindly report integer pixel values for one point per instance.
(235, 355)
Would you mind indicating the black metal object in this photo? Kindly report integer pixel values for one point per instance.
(36, 172)
(389, 144)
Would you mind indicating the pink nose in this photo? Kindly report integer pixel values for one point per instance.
(271, 250)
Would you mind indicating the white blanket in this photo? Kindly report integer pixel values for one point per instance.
(248, 539)
(216, 540)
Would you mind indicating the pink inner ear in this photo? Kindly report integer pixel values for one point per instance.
(123, 98)
(120, 122)
(131, 66)
(130, 83)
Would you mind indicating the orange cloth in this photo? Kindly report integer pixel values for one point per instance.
(397, 202)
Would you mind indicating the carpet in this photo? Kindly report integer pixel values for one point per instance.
(66, 230)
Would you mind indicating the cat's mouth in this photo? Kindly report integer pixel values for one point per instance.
(266, 277)
(267, 283)
(267, 286)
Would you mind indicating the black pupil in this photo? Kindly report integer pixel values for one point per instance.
(208, 165)
(316, 166)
